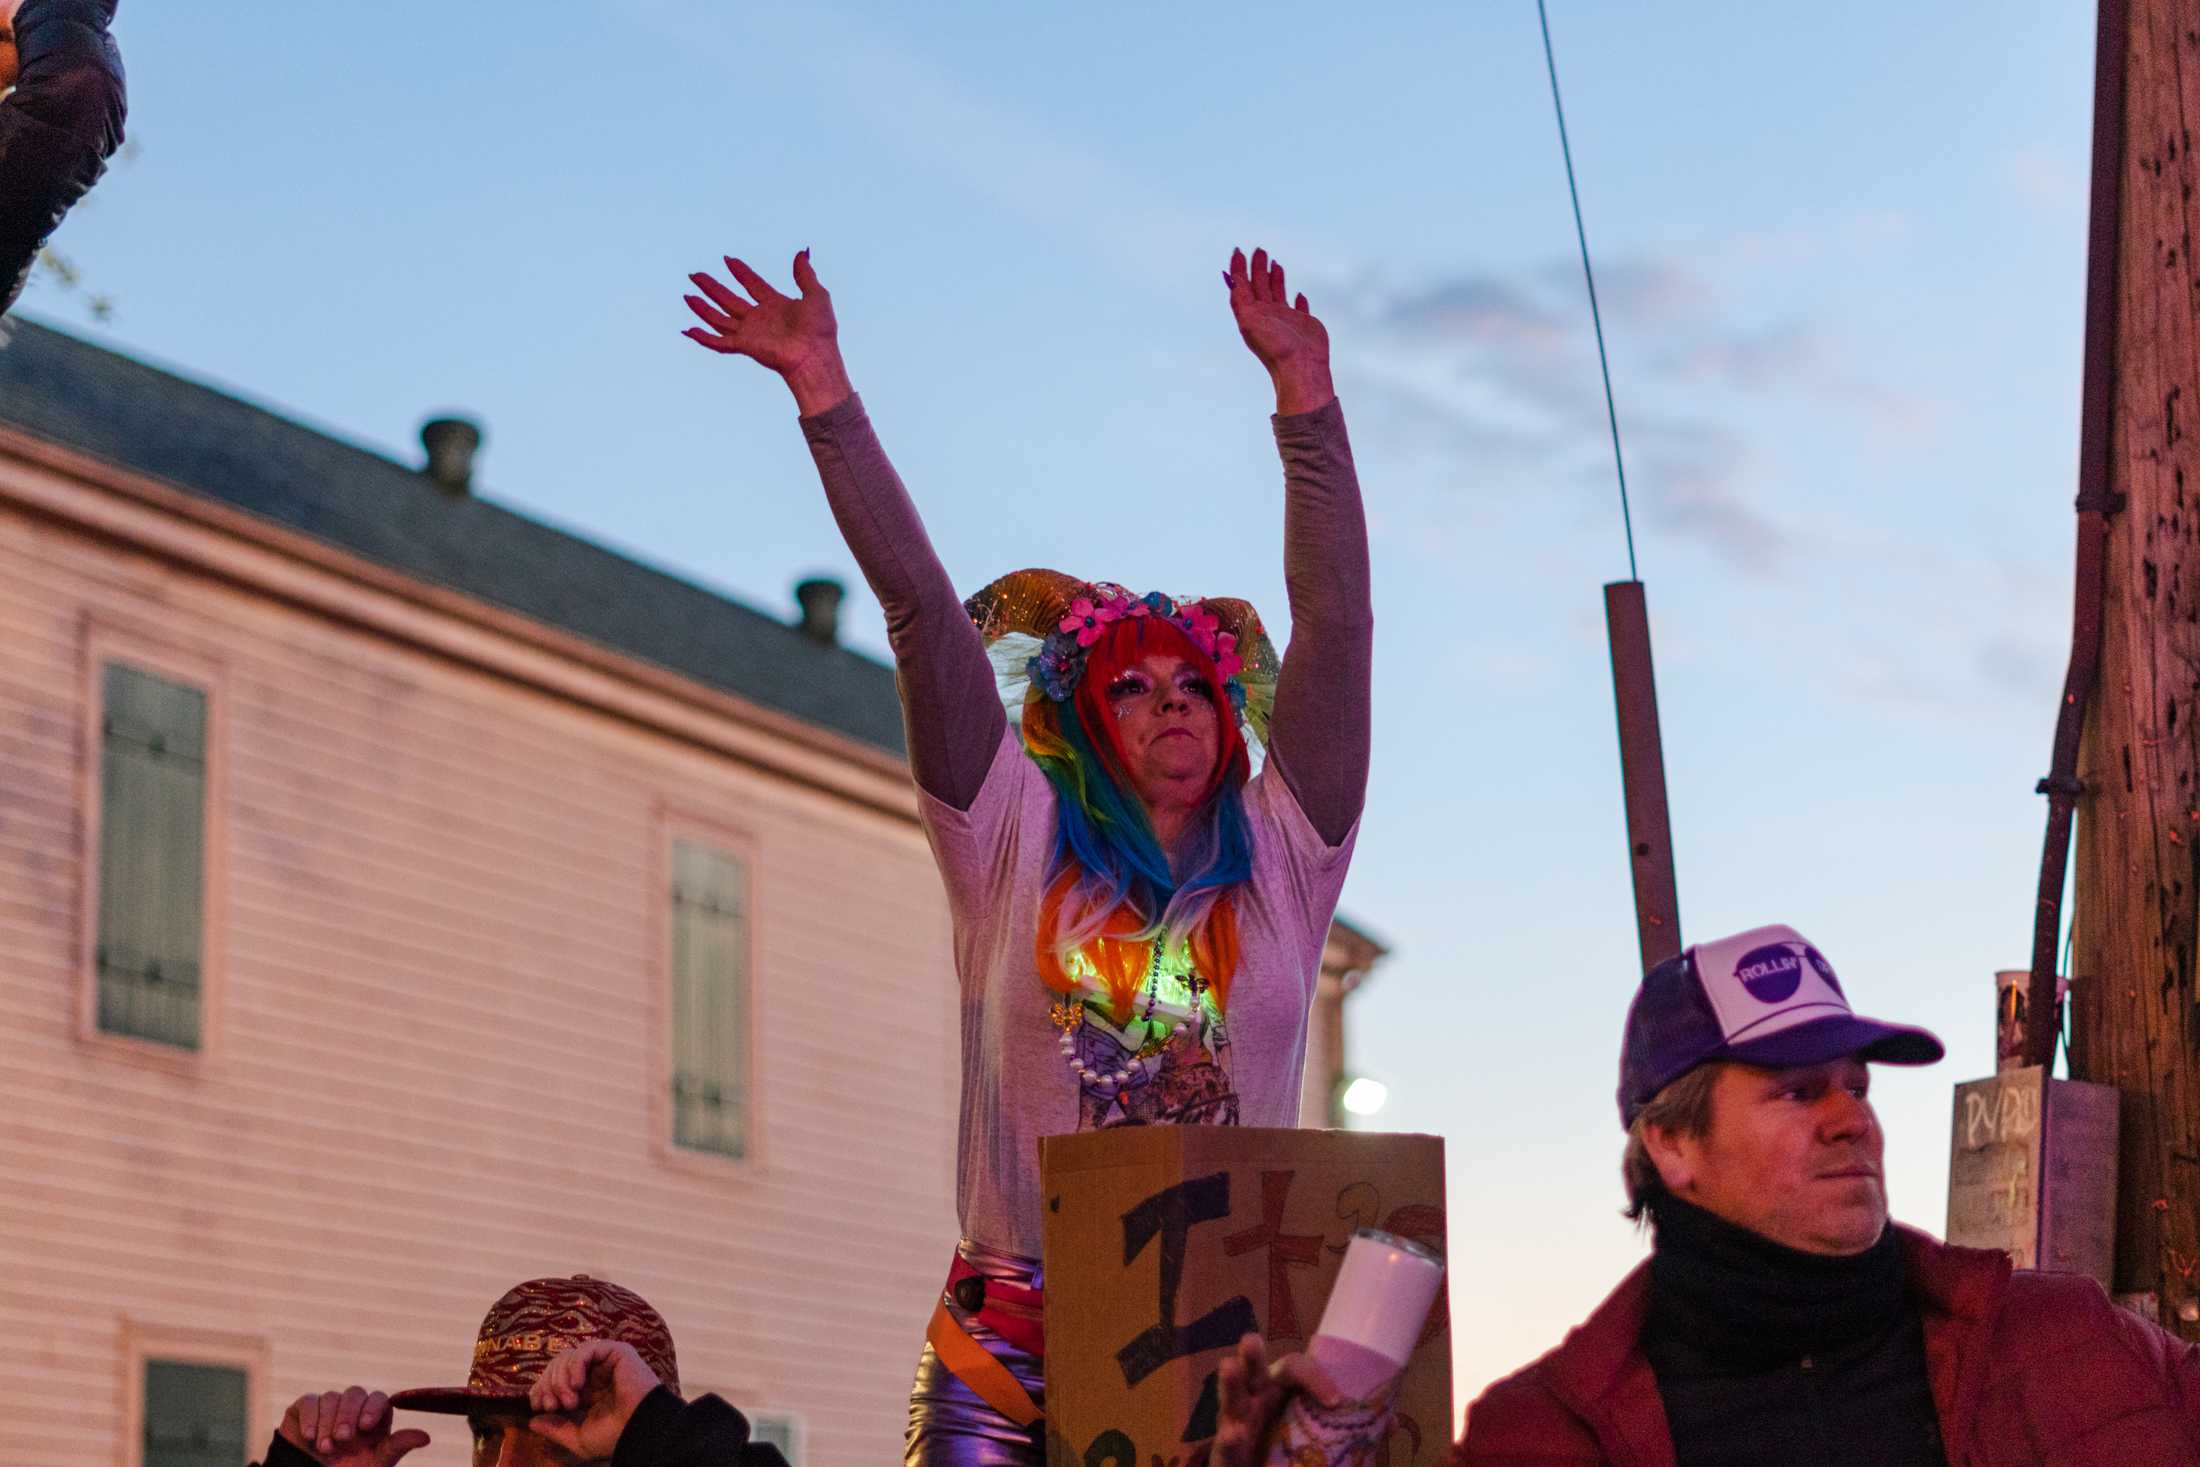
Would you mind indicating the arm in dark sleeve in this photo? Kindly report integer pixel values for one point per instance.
(1318, 733)
(666, 1431)
(281, 1453)
(949, 705)
(57, 128)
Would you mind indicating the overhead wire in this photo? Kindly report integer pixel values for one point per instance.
(1596, 317)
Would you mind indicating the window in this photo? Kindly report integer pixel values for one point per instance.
(778, 1429)
(152, 856)
(195, 1415)
(710, 999)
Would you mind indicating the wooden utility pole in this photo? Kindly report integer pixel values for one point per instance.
(2135, 1007)
(1642, 774)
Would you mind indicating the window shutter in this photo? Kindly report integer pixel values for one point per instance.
(779, 1430)
(152, 867)
(710, 999)
(194, 1415)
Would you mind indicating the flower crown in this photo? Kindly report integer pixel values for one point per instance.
(1060, 665)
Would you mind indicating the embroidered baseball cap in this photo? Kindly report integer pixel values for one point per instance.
(1762, 997)
(535, 1321)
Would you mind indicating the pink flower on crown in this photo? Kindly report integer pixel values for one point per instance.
(1200, 624)
(1088, 620)
(1227, 662)
(1130, 606)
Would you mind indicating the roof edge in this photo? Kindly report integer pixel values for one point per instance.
(233, 545)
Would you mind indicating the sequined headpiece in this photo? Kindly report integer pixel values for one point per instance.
(1038, 626)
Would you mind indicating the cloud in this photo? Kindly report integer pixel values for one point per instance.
(2046, 175)
(1478, 308)
(1706, 484)
(2014, 664)
(1009, 158)
(1871, 228)
(1791, 358)
(1743, 358)
(1502, 365)
(1636, 289)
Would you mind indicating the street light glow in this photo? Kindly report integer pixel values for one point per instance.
(1364, 1097)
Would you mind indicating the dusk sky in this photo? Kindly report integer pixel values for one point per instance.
(1841, 255)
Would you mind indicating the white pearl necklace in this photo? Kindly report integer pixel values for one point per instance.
(1141, 1067)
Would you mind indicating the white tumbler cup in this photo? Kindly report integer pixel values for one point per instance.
(1374, 1318)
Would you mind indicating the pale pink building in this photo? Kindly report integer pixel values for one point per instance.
(400, 898)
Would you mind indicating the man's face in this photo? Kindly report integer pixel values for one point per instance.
(1792, 1155)
(501, 1442)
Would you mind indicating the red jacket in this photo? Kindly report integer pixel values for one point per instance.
(2028, 1370)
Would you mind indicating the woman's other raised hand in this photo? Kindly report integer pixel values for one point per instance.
(1289, 339)
(795, 336)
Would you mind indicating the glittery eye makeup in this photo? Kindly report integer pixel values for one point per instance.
(1128, 685)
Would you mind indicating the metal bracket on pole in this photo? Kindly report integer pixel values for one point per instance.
(1642, 771)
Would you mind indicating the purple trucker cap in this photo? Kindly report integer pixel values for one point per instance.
(1762, 997)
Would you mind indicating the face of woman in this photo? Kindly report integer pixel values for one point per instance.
(1170, 727)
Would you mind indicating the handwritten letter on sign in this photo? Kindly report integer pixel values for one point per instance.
(1164, 1244)
(2032, 1170)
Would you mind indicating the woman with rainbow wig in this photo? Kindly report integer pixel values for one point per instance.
(1142, 816)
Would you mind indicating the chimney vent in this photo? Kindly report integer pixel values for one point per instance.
(820, 598)
(451, 445)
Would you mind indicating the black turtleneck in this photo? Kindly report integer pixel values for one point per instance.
(1766, 1355)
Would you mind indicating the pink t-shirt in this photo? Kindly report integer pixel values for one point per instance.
(1020, 1082)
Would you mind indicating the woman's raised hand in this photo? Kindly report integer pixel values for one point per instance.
(795, 336)
(1289, 339)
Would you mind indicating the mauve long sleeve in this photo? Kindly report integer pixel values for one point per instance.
(949, 706)
(1318, 734)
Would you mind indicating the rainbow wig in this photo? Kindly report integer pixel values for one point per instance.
(1113, 895)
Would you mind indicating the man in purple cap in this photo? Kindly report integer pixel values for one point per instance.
(1781, 1318)
(566, 1371)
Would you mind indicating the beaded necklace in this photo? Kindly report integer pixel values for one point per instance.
(1187, 993)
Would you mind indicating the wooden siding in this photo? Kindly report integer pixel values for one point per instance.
(437, 1038)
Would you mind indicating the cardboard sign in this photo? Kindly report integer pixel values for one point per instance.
(1164, 1244)
(2032, 1171)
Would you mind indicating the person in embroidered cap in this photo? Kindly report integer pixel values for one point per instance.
(566, 1371)
(1142, 816)
(1782, 1318)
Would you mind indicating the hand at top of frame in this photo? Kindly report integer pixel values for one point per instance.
(795, 336)
(1289, 339)
(347, 1429)
(586, 1395)
(63, 31)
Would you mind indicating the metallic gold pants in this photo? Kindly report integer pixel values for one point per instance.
(948, 1425)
